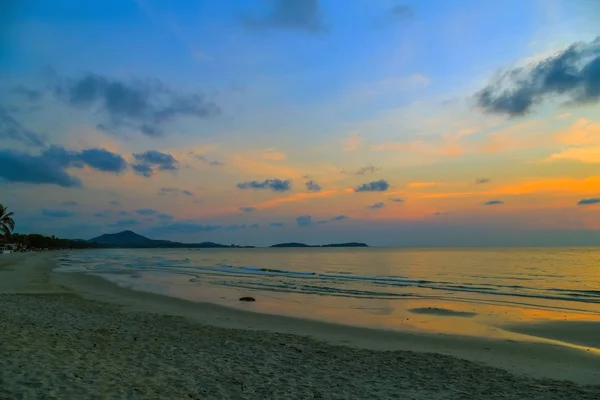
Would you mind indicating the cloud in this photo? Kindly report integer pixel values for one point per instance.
(313, 186)
(114, 203)
(276, 224)
(189, 227)
(481, 181)
(247, 209)
(212, 163)
(299, 15)
(29, 94)
(124, 213)
(339, 218)
(165, 216)
(146, 211)
(397, 200)
(234, 227)
(573, 74)
(149, 161)
(12, 129)
(441, 213)
(362, 171)
(99, 159)
(167, 190)
(304, 220)
(101, 214)
(25, 168)
(57, 213)
(69, 203)
(376, 206)
(493, 203)
(375, 186)
(123, 223)
(142, 105)
(401, 12)
(586, 202)
(273, 184)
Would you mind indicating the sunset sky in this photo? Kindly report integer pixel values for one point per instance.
(448, 122)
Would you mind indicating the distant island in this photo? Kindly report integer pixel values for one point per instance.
(130, 239)
(295, 244)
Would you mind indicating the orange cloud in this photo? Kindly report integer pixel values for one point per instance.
(273, 155)
(584, 155)
(582, 132)
(299, 197)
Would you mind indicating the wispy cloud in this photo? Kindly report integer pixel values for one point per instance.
(57, 213)
(12, 129)
(146, 211)
(248, 209)
(572, 73)
(167, 190)
(397, 200)
(369, 169)
(481, 181)
(299, 15)
(148, 162)
(376, 206)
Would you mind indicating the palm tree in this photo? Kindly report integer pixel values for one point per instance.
(7, 224)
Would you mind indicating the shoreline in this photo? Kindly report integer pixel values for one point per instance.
(28, 283)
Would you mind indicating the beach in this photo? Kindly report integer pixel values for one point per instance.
(70, 335)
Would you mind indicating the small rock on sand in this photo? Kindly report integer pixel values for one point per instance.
(247, 299)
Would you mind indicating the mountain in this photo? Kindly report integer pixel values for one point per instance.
(125, 238)
(132, 239)
(295, 244)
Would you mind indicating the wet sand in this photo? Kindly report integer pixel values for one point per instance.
(79, 336)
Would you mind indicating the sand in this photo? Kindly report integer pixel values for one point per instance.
(79, 337)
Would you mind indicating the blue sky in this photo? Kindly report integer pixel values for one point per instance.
(201, 109)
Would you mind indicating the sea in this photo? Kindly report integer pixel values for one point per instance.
(473, 291)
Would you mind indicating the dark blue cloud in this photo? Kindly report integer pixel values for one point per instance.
(234, 227)
(313, 186)
(493, 203)
(100, 159)
(124, 213)
(299, 15)
(397, 200)
(188, 227)
(277, 224)
(69, 203)
(369, 169)
(254, 226)
(29, 94)
(57, 213)
(141, 105)
(12, 129)
(573, 74)
(146, 211)
(376, 206)
(273, 184)
(114, 203)
(22, 167)
(142, 169)
(123, 223)
(166, 190)
(165, 216)
(247, 209)
(304, 220)
(401, 12)
(481, 181)
(147, 162)
(340, 218)
(586, 202)
(375, 186)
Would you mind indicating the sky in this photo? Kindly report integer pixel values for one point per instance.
(417, 123)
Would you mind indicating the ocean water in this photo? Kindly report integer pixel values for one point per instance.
(453, 290)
